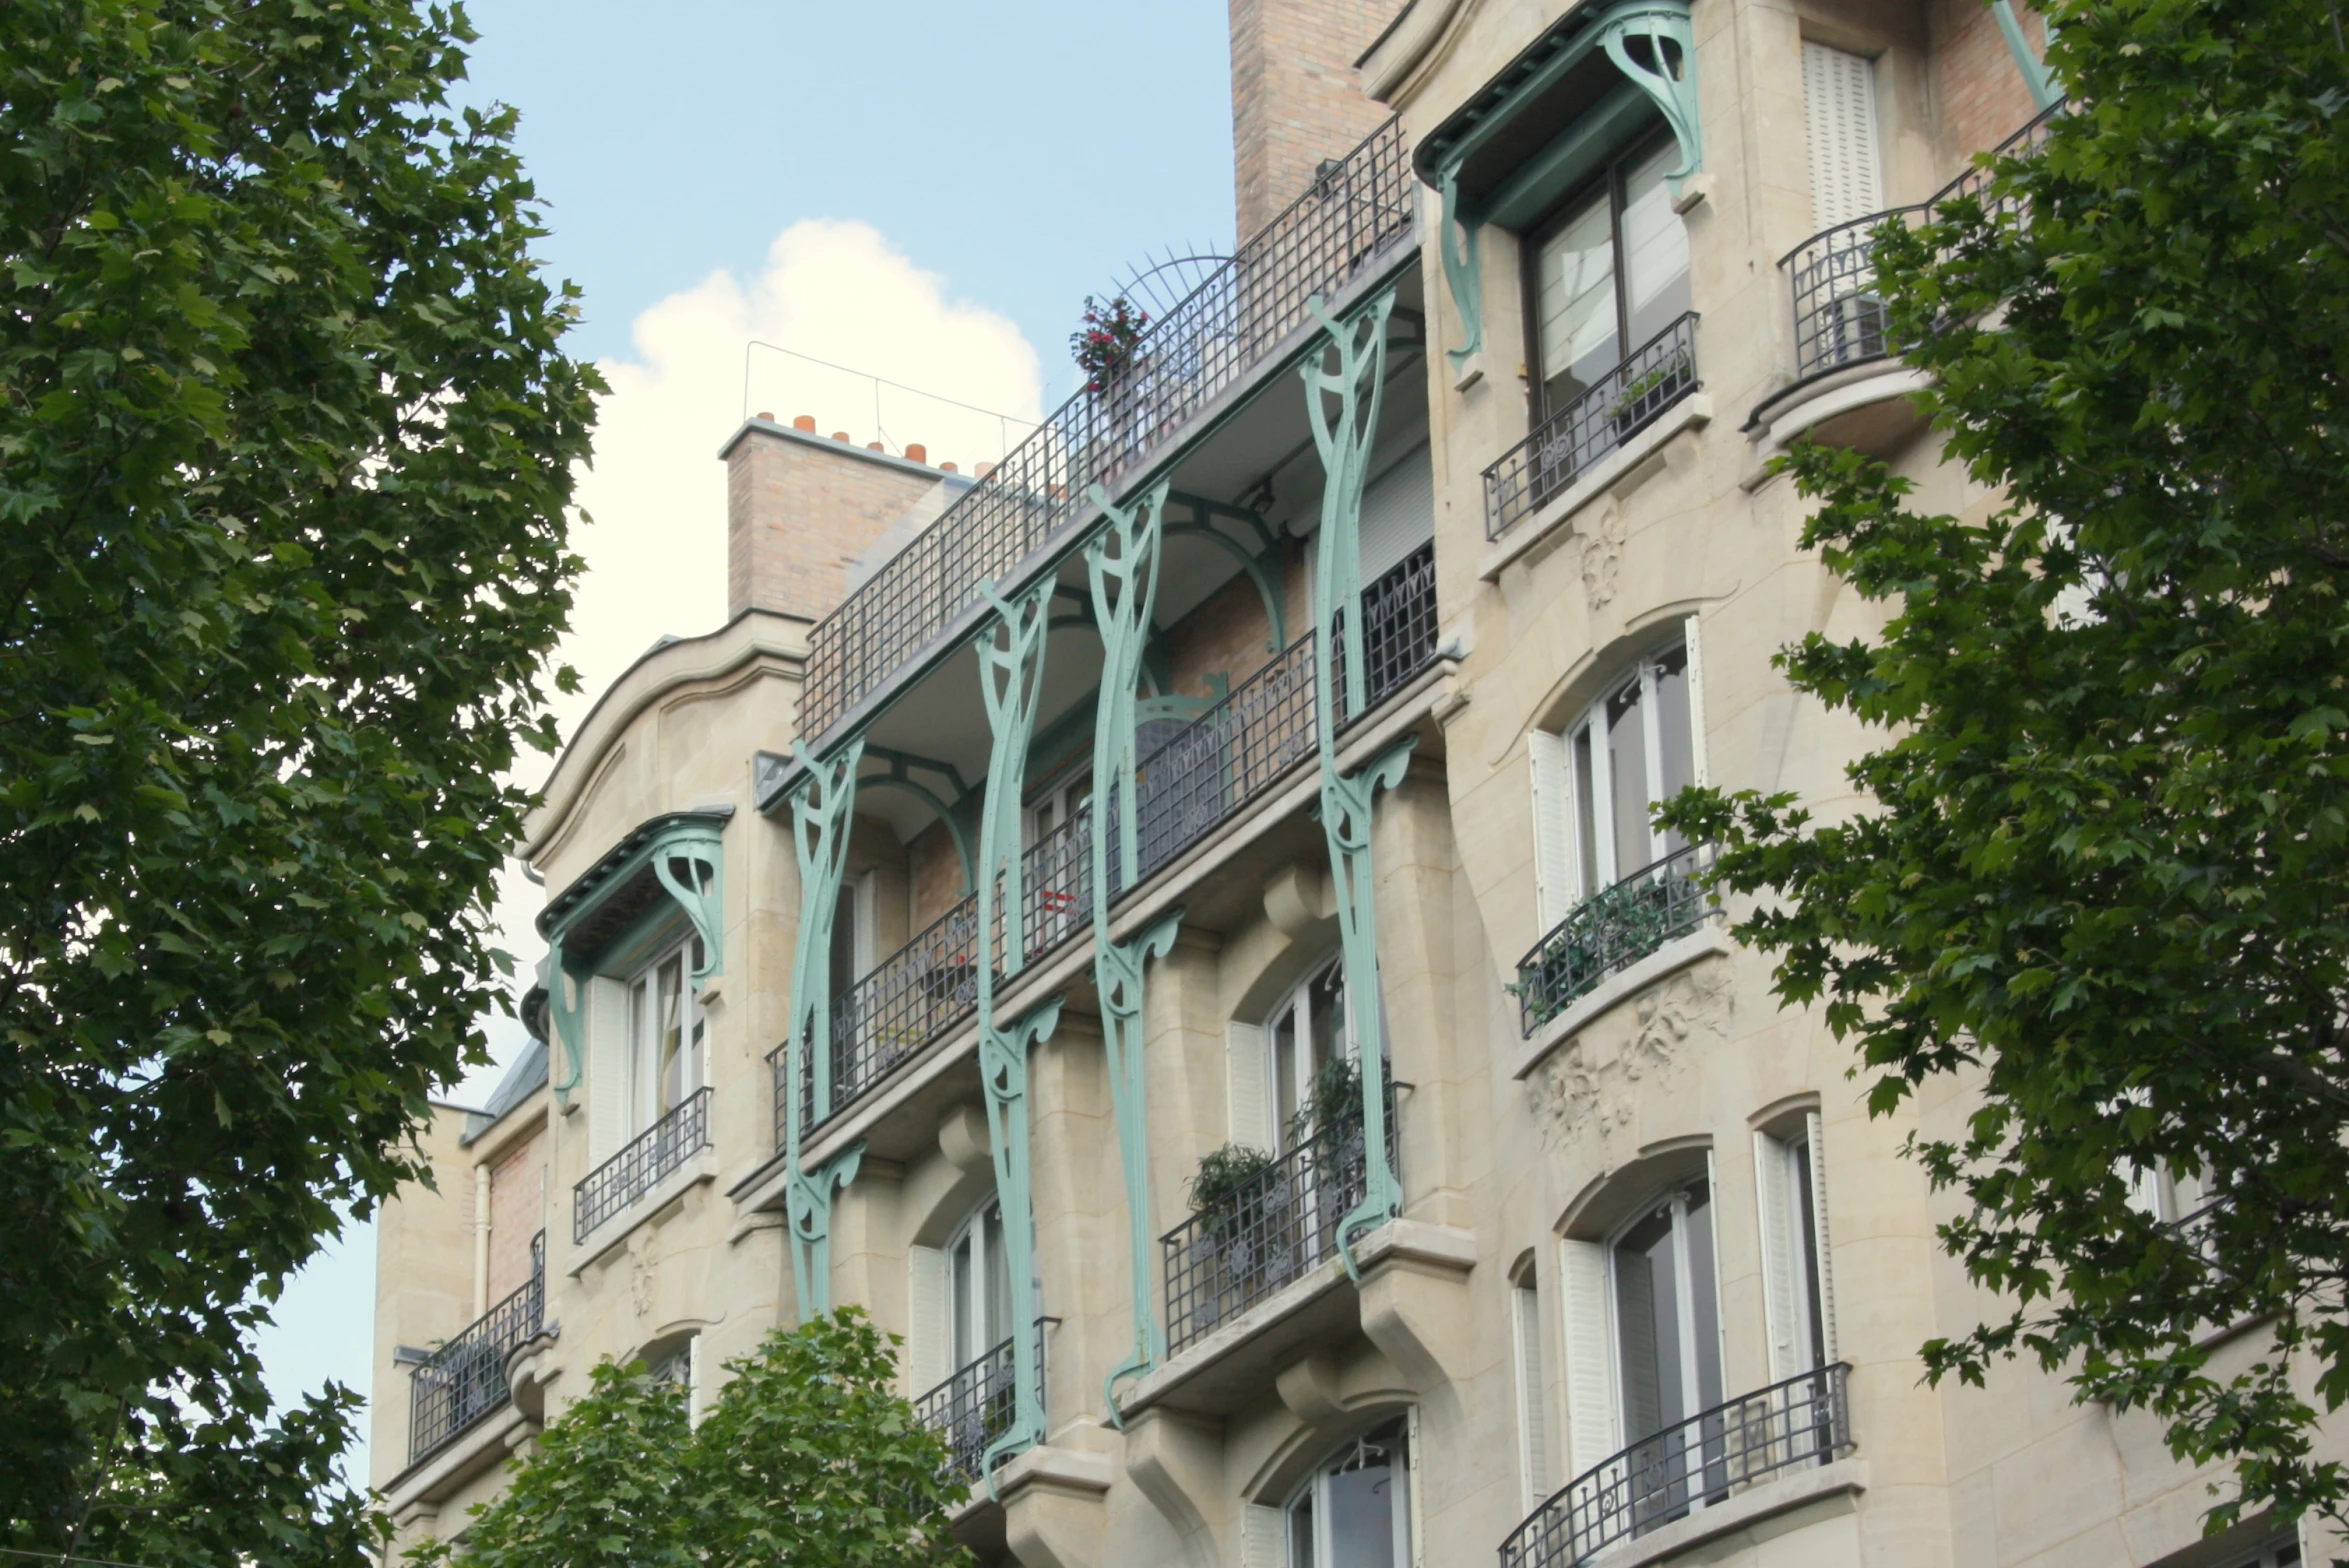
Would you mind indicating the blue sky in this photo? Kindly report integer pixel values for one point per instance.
(910, 188)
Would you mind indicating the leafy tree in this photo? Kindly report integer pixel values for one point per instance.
(2103, 879)
(806, 1459)
(286, 439)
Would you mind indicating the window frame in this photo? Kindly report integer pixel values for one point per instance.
(979, 1303)
(1591, 867)
(1672, 1194)
(1394, 1435)
(646, 1066)
(1297, 998)
(1612, 177)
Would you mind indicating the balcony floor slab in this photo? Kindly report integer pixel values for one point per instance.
(1692, 412)
(1708, 941)
(1839, 1483)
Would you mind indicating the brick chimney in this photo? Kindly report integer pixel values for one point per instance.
(800, 508)
(1296, 98)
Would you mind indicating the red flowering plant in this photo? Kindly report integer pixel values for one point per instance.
(1104, 346)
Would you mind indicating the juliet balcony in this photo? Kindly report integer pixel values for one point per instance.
(1677, 1473)
(977, 1405)
(662, 1149)
(1610, 931)
(465, 1379)
(1571, 443)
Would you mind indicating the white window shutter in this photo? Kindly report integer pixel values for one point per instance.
(1533, 1394)
(1411, 1496)
(1261, 1545)
(1780, 1254)
(608, 1086)
(1839, 114)
(1553, 832)
(1819, 1242)
(1693, 635)
(926, 1331)
(1245, 1070)
(1590, 1372)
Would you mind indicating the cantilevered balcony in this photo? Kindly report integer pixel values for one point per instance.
(1250, 312)
(637, 1169)
(1839, 318)
(1275, 1228)
(1611, 930)
(1194, 781)
(465, 1379)
(1703, 1462)
(1625, 401)
(976, 1406)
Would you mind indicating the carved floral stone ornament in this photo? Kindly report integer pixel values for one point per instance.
(1591, 1085)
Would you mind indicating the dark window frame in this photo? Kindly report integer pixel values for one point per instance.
(1612, 176)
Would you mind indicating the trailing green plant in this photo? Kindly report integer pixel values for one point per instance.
(1332, 1099)
(1627, 402)
(1224, 1173)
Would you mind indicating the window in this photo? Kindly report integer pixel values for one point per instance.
(665, 1029)
(978, 1287)
(1057, 802)
(1667, 1320)
(1309, 1029)
(1796, 1300)
(1609, 272)
(1533, 1437)
(1630, 750)
(1355, 1511)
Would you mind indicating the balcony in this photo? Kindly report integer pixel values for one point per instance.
(1839, 320)
(1199, 778)
(976, 1406)
(1357, 212)
(465, 1379)
(1629, 398)
(638, 1169)
(1274, 1229)
(1804, 1422)
(1609, 931)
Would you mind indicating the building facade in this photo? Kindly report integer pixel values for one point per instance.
(1171, 926)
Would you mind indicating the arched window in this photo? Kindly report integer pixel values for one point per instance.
(978, 1286)
(1355, 1510)
(1667, 1344)
(1310, 1028)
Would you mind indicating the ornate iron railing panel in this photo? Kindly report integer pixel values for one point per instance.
(1839, 319)
(1360, 208)
(1614, 927)
(637, 1169)
(976, 1406)
(465, 1379)
(1804, 1421)
(1279, 1225)
(1625, 401)
(1186, 788)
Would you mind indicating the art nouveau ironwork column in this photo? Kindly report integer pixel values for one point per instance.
(820, 817)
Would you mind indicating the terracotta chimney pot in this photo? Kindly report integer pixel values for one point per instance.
(947, 468)
(982, 471)
(806, 422)
(839, 435)
(917, 453)
(766, 416)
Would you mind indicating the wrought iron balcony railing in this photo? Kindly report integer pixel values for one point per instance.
(1190, 785)
(976, 1406)
(1358, 210)
(1839, 319)
(465, 1379)
(637, 1169)
(1804, 1421)
(1614, 927)
(1625, 401)
(1276, 1227)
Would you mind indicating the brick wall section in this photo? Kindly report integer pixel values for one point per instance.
(799, 509)
(516, 1211)
(1295, 96)
(1979, 89)
(1224, 636)
(933, 876)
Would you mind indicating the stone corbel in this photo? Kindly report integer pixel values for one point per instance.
(1414, 1303)
(1176, 1462)
(1055, 1512)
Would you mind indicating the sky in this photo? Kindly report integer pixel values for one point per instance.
(921, 192)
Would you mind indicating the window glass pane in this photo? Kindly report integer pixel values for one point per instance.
(844, 954)
(1647, 1323)
(1574, 297)
(1286, 1088)
(1361, 1515)
(997, 1326)
(641, 1047)
(962, 1300)
(1627, 778)
(1655, 245)
(1301, 1531)
(1806, 1249)
(1325, 1006)
(672, 1069)
(1702, 1306)
(1675, 734)
(1586, 813)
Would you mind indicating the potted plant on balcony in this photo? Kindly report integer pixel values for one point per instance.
(1106, 343)
(1226, 1193)
(1630, 409)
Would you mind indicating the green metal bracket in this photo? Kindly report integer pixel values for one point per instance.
(899, 776)
(1676, 95)
(1458, 240)
(1121, 565)
(1343, 405)
(820, 816)
(2036, 77)
(1011, 683)
(701, 896)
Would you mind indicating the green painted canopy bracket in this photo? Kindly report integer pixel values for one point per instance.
(2036, 76)
(1342, 402)
(701, 895)
(1253, 565)
(1121, 568)
(1003, 1070)
(899, 776)
(1674, 93)
(1011, 683)
(820, 817)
